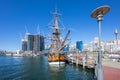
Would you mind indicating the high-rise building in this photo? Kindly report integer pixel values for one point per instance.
(79, 45)
(33, 43)
(66, 49)
(42, 43)
(24, 45)
(30, 42)
(37, 42)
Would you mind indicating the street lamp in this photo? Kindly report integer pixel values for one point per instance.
(98, 14)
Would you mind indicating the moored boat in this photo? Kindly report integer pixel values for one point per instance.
(56, 55)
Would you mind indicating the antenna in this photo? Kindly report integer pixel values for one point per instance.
(20, 35)
(56, 4)
(38, 29)
(26, 29)
(116, 36)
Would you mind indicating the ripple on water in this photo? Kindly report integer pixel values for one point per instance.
(28, 68)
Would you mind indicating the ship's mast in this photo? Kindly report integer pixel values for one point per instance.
(57, 45)
(55, 34)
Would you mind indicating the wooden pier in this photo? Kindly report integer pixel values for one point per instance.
(87, 61)
(111, 70)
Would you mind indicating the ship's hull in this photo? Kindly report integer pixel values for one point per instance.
(56, 60)
(57, 63)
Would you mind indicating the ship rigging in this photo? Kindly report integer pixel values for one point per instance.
(56, 55)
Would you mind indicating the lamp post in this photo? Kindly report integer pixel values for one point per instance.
(98, 14)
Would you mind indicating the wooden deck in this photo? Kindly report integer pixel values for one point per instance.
(80, 61)
(111, 69)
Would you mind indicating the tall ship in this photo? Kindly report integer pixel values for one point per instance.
(56, 55)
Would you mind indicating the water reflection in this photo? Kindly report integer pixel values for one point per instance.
(57, 72)
(56, 68)
(37, 68)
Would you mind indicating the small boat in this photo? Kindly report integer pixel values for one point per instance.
(56, 55)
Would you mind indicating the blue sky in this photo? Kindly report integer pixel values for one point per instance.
(16, 14)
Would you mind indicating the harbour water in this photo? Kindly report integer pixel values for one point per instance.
(37, 68)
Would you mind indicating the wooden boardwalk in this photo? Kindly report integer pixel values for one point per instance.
(89, 63)
(111, 69)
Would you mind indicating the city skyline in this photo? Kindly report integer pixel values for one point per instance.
(16, 14)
